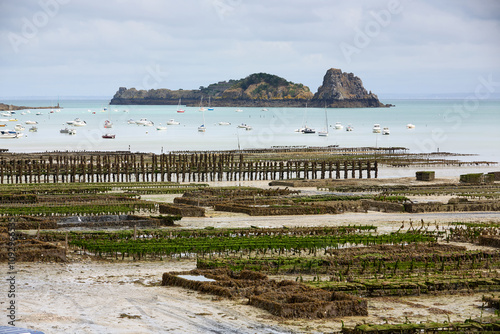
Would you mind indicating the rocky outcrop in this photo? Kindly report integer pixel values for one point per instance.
(340, 90)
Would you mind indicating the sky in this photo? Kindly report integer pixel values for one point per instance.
(402, 48)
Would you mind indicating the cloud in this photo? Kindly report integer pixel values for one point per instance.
(93, 47)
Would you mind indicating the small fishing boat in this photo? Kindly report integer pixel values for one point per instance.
(349, 128)
(2, 125)
(108, 124)
(131, 121)
(376, 128)
(19, 127)
(7, 114)
(245, 126)
(173, 122)
(386, 131)
(33, 129)
(410, 126)
(39, 113)
(238, 110)
(338, 126)
(264, 109)
(161, 127)
(31, 122)
(108, 136)
(224, 123)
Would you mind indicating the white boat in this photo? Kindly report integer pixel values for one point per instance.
(338, 126)
(264, 109)
(325, 132)
(23, 113)
(386, 131)
(173, 122)
(161, 127)
(33, 129)
(376, 128)
(39, 113)
(224, 123)
(245, 126)
(410, 126)
(19, 127)
(349, 128)
(6, 134)
(79, 122)
(179, 109)
(7, 114)
(239, 110)
(31, 122)
(131, 121)
(108, 124)
(144, 122)
(202, 127)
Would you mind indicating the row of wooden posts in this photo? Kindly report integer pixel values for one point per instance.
(173, 167)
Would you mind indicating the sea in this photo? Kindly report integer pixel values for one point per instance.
(469, 127)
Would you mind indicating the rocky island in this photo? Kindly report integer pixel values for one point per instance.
(339, 90)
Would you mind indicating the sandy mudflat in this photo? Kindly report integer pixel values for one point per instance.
(84, 296)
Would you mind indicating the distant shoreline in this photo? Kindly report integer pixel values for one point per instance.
(4, 107)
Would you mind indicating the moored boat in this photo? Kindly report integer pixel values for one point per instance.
(386, 131)
(173, 122)
(7, 134)
(308, 130)
(376, 128)
(108, 136)
(245, 126)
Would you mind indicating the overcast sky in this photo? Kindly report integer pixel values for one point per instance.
(397, 47)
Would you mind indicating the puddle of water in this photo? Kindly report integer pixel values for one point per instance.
(198, 278)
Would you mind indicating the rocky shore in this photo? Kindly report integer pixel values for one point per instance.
(339, 90)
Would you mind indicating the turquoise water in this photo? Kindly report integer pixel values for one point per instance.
(444, 125)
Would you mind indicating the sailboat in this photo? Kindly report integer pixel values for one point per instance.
(179, 108)
(201, 105)
(209, 108)
(325, 132)
(202, 127)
